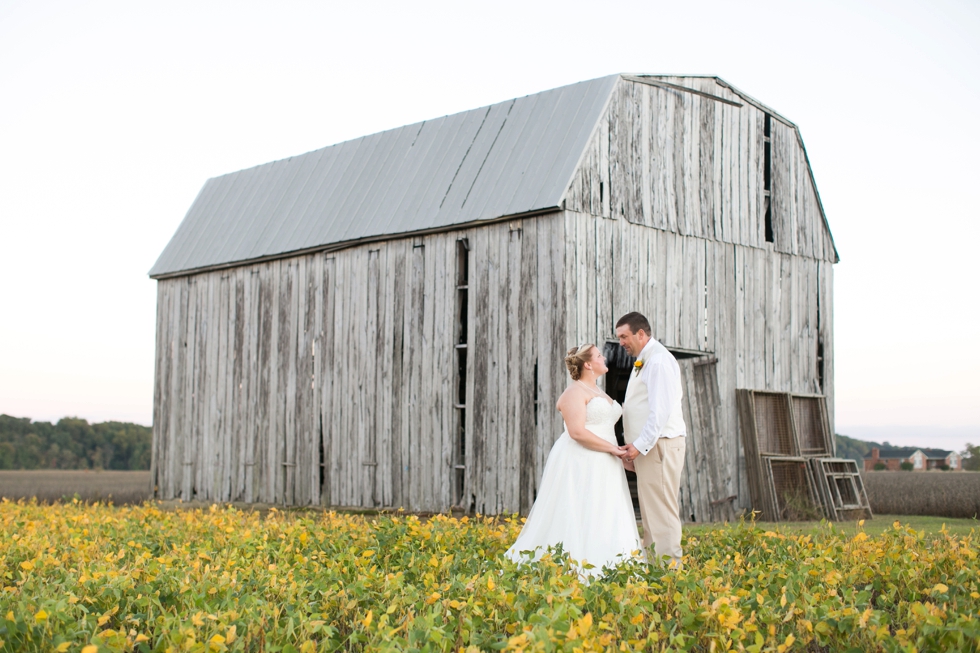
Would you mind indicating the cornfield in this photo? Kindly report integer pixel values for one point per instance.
(48, 485)
(944, 494)
(90, 578)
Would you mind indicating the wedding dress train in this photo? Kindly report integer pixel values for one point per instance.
(583, 501)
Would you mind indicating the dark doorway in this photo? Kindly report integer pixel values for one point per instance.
(617, 378)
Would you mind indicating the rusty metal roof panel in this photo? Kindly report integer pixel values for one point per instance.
(505, 159)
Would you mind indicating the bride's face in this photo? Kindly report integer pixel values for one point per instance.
(598, 362)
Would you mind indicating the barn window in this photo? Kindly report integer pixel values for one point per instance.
(820, 366)
(767, 176)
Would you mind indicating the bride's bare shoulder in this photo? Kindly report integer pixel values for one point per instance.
(573, 393)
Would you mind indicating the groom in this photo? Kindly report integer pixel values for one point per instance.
(653, 427)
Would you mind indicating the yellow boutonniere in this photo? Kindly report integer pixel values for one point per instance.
(637, 366)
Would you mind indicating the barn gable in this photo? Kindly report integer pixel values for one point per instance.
(507, 159)
(687, 155)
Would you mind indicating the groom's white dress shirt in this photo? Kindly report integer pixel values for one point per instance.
(661, 414)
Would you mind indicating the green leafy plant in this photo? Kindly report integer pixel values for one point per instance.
(76, 576)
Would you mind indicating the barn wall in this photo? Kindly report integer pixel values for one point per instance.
(691, 165)
(347, 360)
(759, 311)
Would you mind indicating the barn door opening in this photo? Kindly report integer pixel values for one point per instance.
(617, 378)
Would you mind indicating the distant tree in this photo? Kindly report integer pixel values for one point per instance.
(907, 466)
(854, 449)
(73, 443)
(971, 457)
(880, 466)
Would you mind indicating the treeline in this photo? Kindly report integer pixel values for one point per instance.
(73, 443)
(854, 449)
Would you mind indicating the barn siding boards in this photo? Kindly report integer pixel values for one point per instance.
(316, 360)
(536, 287)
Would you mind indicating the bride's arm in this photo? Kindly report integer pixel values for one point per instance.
(573, 409)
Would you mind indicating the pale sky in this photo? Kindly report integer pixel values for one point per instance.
(113, 115)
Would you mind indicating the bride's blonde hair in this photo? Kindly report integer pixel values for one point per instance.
(576, 358)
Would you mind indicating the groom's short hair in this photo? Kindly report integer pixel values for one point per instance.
(636, 322)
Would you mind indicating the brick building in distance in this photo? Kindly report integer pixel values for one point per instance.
(921, 459)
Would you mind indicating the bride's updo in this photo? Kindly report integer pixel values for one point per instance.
(576, 358)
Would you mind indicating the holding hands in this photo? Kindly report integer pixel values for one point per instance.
(627, 454)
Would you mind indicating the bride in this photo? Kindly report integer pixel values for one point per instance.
(583, 501)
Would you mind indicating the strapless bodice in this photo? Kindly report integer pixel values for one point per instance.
(600, 412)
(601, 417)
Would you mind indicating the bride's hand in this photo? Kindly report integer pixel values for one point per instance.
(620, 452)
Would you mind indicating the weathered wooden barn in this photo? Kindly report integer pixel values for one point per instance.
(382, 322)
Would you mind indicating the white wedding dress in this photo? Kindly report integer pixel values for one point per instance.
(583, 502)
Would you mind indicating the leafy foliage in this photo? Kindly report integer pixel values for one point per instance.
(971, 457)
(73, 443)
(146, 580)
(854, 449)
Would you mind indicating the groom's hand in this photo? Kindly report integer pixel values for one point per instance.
(631, 452)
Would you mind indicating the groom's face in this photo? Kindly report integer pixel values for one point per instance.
(632, 342)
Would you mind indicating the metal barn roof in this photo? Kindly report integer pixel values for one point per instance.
(505, 159)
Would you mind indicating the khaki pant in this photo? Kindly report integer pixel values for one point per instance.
(658, 482)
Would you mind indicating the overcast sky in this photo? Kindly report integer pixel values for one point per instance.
(113, 114)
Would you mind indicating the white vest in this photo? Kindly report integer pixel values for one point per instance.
(636, 410)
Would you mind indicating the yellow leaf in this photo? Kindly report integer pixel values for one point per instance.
(490, 585)
(217, 639)
(863, 621)
(104, 618)
(230, 635)
(62, 647)
(27, 565)
(40, 616)
(368, 619)
(142, 638)
(10, 616)
(942, 589)
(197, 620)
(637, 620)
(367, 554)
(585, 623)
(90, 649)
